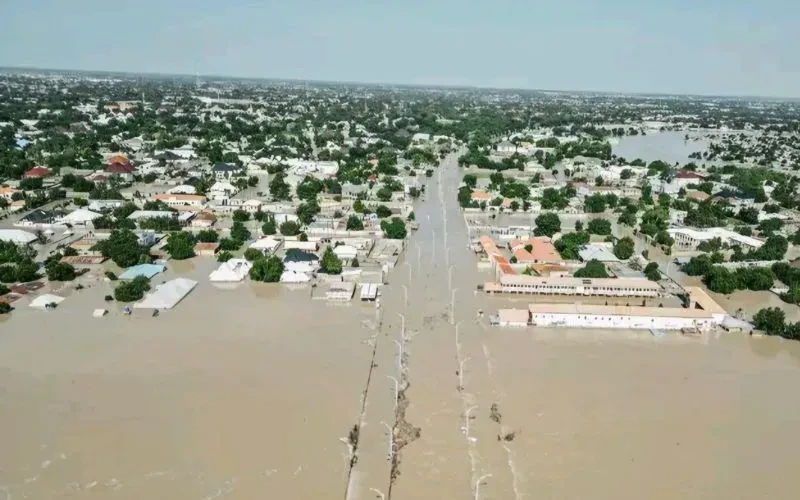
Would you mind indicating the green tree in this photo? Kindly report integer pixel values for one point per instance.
(354, 223)
(721, 280)
(599, 226)
(60, 271)
(624, 248)
(230, 244)
(382, 211)
(241, 216)
(384, 194)
(651, 271)
(698, 266)
(771, 320)
(290, 228)
(180, 245)
(240, 232)
(330, 263)
(207, 236)
(122, 246)
(593, 269)
(133, 290)
(547, 224)
(252, 254)
(470, 180)
(267, 269)
(224, 256)
(394, 229)
(268, 227)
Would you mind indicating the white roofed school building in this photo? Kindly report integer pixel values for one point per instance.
(609, 287)
(688, 238)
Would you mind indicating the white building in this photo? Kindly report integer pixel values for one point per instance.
(609, 287)
(181, 201)
(17, 236)
(688, 238)
(702, 314)
(345, 252)
(266, 245)
(80, 217)
(234, 270)
(290, 276)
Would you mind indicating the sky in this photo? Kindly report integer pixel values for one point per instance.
(717, 47)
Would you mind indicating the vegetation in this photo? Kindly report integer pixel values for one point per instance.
(569, 244)
(394, 229)
(267, 269)
(593, 269)
(290, 228)
(547, 224)
(624, 248)
(354, 223)
(330, 263)
(651, 271)
(599, 226)
(180, 245)
(122, 247)
(131, 291)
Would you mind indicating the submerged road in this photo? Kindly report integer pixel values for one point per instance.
(444, 443)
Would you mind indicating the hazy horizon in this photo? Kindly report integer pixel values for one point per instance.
(621, 46)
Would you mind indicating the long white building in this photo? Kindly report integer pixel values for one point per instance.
(703, 313)
(690, 238)
(609, 287)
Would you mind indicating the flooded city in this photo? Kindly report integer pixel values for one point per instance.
(260, 392)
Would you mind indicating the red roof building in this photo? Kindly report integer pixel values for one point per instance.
(120, 168)
(688, 174)
(38, 172)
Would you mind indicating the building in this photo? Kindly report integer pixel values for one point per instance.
(80, 217)
(204, 220)
(266, 245)
(99, 205)
(294, 277)
(369, 291)
(206, 249)
(703, 313)
(7, 193)
(687, 238)
(152, 214)
(309, 246)
(542, 249)
(226, 170)
(167, 295)
(37, 218)
(300, 261)
(37, 172)
(609, 287)
(252, 206)
(234, 270)
(17, 236)
(181, 201)
(345, 252)
(517, 318)
(146, 270)
(183, 189)
(603, 252)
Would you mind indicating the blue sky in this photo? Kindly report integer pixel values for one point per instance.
(739, 47)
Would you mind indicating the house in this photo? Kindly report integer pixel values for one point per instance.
(480, 196)
(307, 246)
(7, 193)
(146, 270)
(597, 251)
(17, 236)
(204, 219)
(300, 261)
(252, 206)
(233, 270)
(99, 205)
(181, 201)
(37, 218)
(516, 318)
(152, 214)
(183, 189)
(37, 172)
(542, 249)
(80, 217)
(345, 252)
(221, 190)
(224, 171)
(688, 238)
(266, 245)
(289, 276)
(206, 249)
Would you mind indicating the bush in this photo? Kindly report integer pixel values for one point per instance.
(624, 248)
(60, 271)
(241, 216)
(207, 236)
(252, 254)
(599, 226)
(394, 229)
(5, 308)
(108, 298)
(593, 269)
(547, 224)
(132, 290)
(354, 223)
(382, 211)
(290, 228)
(229, 245)
(267, 269)
(111, 276)
(180, 245)
(331, 264)
(268, 227)
(224, 256)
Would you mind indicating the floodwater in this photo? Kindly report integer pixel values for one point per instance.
(251, 393)
(670, 147)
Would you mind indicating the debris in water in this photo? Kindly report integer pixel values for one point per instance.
(494, 413)
(507, 437)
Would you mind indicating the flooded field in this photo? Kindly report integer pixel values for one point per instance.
(670, 147)
(260, 392)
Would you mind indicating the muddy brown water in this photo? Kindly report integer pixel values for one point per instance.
(250, 393)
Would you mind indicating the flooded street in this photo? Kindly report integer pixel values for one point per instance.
(252, 392)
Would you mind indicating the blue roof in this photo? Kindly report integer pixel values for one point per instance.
(146, 270)
(21, 143)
